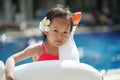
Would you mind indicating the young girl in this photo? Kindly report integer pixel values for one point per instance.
(56, 28)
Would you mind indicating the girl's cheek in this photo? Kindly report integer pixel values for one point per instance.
(66, 36)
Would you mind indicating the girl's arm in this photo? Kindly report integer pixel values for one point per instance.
(10, 63)
(9, 69)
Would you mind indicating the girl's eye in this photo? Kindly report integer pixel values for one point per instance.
(55, 30)
(65, 32)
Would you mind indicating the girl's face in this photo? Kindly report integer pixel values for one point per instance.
(59, 31)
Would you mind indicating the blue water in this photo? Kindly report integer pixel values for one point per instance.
(99, 49)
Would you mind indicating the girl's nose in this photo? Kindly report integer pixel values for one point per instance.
(60, 36)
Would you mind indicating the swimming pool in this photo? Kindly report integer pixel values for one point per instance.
(98, 49)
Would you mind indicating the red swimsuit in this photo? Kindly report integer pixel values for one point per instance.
(47, 56)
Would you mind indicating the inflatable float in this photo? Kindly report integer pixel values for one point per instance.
(53, 70)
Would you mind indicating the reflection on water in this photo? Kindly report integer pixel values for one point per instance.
(101, 50)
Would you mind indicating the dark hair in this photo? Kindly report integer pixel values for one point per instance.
(59, 11)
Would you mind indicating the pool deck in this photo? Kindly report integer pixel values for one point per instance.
(34, 31)
(112, 75)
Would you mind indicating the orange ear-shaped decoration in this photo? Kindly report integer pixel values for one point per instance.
(76, 17)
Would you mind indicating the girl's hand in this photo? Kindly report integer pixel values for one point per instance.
(10, 77)
(76, 17)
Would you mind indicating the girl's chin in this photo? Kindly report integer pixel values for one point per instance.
(59, 44)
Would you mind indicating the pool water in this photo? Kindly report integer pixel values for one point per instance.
(101, 50)
(98, 49)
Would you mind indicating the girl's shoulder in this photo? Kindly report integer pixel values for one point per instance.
(35, 47)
